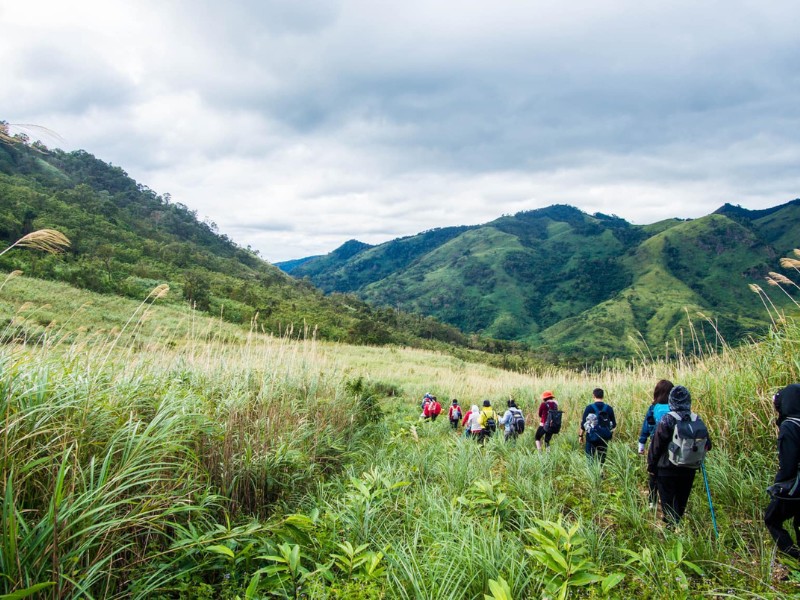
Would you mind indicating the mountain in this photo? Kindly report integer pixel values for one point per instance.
(578, 285)
(126, 239)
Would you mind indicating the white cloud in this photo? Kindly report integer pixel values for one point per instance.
(298, 125)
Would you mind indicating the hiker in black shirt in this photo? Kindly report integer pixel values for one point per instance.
(785, 503)
(597, 426)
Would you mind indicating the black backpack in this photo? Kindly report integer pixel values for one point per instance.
(491, 423)
(552, 422)
(517, 421)
(602, 431)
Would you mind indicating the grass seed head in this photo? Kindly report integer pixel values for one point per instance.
(780, 278)
(46, 240)
(790, 263)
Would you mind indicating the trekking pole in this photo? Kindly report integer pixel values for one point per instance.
(708, 492)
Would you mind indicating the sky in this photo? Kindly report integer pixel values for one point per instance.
(296, 125)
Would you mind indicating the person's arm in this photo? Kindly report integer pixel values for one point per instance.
(788, 451)
(660, 443)
(612, 417)
(645, 431)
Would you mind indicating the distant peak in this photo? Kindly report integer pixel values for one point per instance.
(350, 248)
(737, 211)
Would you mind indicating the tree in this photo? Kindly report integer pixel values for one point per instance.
(196, 288)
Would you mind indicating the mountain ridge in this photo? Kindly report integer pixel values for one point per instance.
(588, 285)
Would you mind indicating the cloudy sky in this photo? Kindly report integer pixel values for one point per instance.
(296, 125)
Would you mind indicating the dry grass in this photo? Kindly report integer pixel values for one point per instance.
(46, 240)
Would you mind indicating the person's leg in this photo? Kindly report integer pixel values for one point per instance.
(683, 488)
(538, 438)
(777, 512)
(602, 449)
(652, 487)
(547, 438)
(666, 490)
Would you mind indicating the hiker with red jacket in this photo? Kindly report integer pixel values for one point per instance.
(426, 400)
(549, 424)
(433, 409)
(454, 414)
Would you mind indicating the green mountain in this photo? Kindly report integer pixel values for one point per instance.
(126, 239)
(578, 285)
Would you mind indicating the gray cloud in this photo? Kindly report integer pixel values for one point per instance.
(296, 126)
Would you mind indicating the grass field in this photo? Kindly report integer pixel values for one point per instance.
(151, 453)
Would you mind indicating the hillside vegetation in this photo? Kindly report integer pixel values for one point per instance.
(173, 456)
(126, 239)
(577, 285)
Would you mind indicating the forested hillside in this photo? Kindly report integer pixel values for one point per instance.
(126, 239)
(578, 285)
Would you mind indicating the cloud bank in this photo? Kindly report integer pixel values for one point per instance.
(298, 125)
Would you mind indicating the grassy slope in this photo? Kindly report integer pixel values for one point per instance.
(217, 410)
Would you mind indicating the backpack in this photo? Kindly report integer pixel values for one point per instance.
(455, 414)
(552, 422)
(491, 422)
(517, 421)
(602, 431)
(689, 439)
(436, 408)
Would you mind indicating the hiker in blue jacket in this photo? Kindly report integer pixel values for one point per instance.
(655, 411)
(507, 420)
(597, 426)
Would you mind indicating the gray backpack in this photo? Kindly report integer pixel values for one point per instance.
(689, 440)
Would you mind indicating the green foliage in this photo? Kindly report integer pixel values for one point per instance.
(578, 287)
(126, 239)
(500, 590)
(666, 568)
(565, 553)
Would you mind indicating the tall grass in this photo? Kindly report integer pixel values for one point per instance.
(183, 461)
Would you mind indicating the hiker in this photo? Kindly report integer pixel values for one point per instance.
(785, 492)
(488, 421)
(513, 420)
(597, 426)
(679, 445)
(426, 400)
(655, 411)
(465, 422)
(433, 409)
(473, 425)
(549, 420)
(454, 414)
